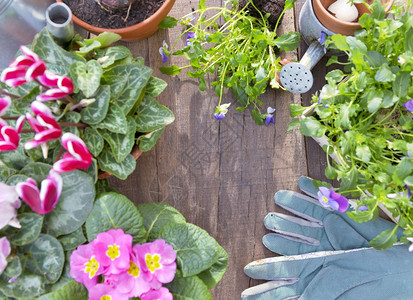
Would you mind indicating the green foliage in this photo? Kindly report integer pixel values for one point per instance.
(240, 49)
(363, 117)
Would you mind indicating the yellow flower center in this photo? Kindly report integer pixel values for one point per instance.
(133, 270)
(91, 266)
(113, 251)
(106, 297)
(152, 262)
(325, 199)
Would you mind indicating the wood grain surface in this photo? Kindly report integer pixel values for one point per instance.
(221, 175)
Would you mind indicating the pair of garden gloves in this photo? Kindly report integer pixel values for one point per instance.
(327, 255)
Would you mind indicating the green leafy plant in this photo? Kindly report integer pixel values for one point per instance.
(243, 51)
(365, 114)
(110, 103)
(39, 261)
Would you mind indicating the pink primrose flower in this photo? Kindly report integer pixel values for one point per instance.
(158, 262)
(44, 124)
(112, 250)
(9, 136)
(5, 103)
(105, 292)
(84, 267)
(4, 252)
(44, 200)
(131, 282)
(24, 68)
(77, 157)
(159, 294)
(61, 86)
(9, 202)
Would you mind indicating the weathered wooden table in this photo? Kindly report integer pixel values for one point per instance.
(222, 175)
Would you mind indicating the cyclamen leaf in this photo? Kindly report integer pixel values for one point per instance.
(74, 205)
(157, 216)
(72, 240)
(116, 83)
(93, 141)
(188, 288)
(14, 268)
(45, 257)
(25, 286)
(114, 211)
(87, 76)
(31, 225)
(121, 144)
(121, 170)
(196, 250)
(137, 78)
(147, 141)
(94, 113)
(38, 171)
(151, 115)
(155, 86)
(113, 54)
(114, 121)
(15, 159)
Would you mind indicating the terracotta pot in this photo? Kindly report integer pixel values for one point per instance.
(136, 152)
(338, 26)
(136, 32)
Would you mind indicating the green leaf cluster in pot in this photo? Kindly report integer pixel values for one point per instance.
(243, 51)
(113, 103)
(365, 114)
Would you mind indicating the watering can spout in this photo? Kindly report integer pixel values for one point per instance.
(59, 22)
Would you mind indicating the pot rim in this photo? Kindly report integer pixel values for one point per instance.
(120, 30)
(323, 13)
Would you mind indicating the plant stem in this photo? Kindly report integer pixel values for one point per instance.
(6, 93)
(69, 124)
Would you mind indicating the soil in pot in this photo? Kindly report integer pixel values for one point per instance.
(91, 12)
(273, 7)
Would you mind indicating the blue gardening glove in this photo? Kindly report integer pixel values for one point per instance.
(364, 274)
(315, 228)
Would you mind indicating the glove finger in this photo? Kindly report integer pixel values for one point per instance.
(285, 267)
(287, 245)
(306, 185)
(272, 290)
(301, 205)
(308, 232)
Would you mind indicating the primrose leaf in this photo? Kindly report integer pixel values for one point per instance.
(214, 274)
(114, 211)
(86, 76)
(70, 290)
(188, 288)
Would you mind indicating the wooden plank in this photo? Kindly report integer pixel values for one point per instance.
(221, 175)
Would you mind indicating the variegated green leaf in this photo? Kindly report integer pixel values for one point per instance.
(116, 84)
(113, 54)
(15, 159)
(96, 112)
(45, 257)
(22, 105)
(115, 120)
(25, 286)
(38, 171)
(151, 115)
(121, 144)
(14, 268)
(147, 141)
(155, 86)
(137, 78)
(31, 225)
(74, 205)
(121, 170)
(93, 141)
(58, 60)
(86, 77)
(92, 171)
(72, 240)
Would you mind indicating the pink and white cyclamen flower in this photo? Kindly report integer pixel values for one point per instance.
(77, 157)
(44, 200)
(5, 250)
(44, 124)
(61, 86)
(5, 103)
(9, 203)
(24, 68)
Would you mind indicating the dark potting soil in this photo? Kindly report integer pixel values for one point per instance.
(273, 7)
(90, 12)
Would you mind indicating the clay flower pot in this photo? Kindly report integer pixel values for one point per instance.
(136, 32)
(337, 25)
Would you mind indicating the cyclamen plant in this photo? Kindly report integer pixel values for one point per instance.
(243, 52)
(365, 116)
(101, 94)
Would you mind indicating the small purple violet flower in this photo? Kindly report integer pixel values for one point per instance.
(162, 52)
(329, 198)
(322, 38)
(221, 110)
(409, 105)
(189, 37)
(269, 118)
(188, 20)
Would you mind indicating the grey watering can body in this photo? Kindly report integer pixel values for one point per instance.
(20, 20)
